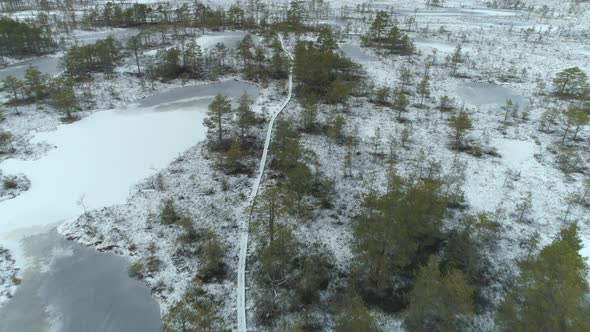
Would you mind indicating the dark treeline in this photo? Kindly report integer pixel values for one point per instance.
(18, 38)
(253, 15)
(296, 17)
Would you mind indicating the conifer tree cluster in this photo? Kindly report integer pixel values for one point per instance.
(386, 35)
(18, 38)
(102, 56)
(322, 72)
(229, 131)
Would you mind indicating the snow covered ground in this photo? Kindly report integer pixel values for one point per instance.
(526, 160)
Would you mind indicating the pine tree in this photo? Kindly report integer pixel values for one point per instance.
(338, 92)
(63, 97)
(400, 103)
(405, 136)
(244, 49)
(299, 184)
(437, 301)
(278, 62)
(335, 130)
(445, 104)
(233, 158)
(424, 88)
(382, 95)
(571, 83)
(574, 118)
(218, 116)
(35, 83)
(314, 276)
(549, 294)
(260, 58)
(524, 206)
(310, 110)
(378, 27)
(461, 124)
(168, 215)
(134, 44)
(405, 78)
(326, 40)
(211, 264)
(276, 257)
(13, 86)
(246, 117)
(295, 16)
(394, 232)
(170, 68)
(286, 147)
(196, 311)
(269, 207)
(456, 59)
(356, 317)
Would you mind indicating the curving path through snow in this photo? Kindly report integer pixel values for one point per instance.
(241, 289)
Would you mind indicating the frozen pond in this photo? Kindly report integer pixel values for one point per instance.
(356, 53)
(229, 38)
(78, 289)
(81, 37)
(101, 156)
(485, 94)
(48, 64)
(199, 94)
(208, 41)
(98, 159)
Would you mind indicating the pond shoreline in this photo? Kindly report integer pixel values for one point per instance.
(23, 263)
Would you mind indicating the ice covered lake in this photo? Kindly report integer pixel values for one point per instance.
(81, 37)
(209, 39)
(356, 53)
(48, 64)
(72, 288)
(98, 158)
(486, 94)
(229, 38)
